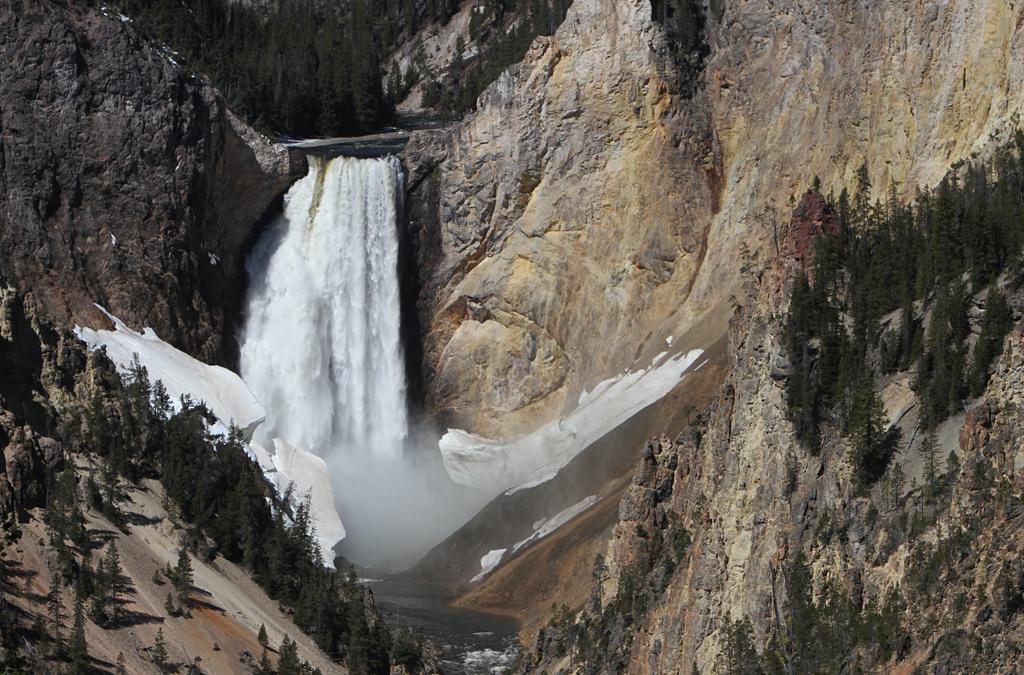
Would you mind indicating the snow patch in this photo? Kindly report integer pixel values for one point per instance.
(113, 240)
(308, 474)
(231, 402)
(221, 390)
(106, 11)
(668, 340)
(545, 527)
(214, 258)
(488, 563)
(532, 459)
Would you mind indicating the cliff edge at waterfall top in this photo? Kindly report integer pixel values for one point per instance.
(511, 336)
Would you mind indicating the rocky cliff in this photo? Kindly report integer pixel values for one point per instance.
(33, 360)
(123, 181)
(726, 527)
(568, 211)
(596, 204)
(592, 206)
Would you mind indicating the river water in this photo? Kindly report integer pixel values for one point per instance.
(471, 643)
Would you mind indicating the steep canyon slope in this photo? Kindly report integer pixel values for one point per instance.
(569, 210)
(591, 207)
(728, 528)
(595, 205)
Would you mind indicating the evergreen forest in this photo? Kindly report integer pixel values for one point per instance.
(130, 431)
(308, 68)
(892, 288)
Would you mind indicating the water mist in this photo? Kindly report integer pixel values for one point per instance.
(321, 349)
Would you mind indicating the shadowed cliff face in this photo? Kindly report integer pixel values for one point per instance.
(122, 181)
(37, 366)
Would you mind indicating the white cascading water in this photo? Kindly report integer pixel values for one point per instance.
(321, 350)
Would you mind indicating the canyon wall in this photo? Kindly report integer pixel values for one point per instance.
(589, 209)
(561, 224)
(718, 524)
(124, 181)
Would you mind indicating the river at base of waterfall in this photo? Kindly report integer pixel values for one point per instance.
(471, 643)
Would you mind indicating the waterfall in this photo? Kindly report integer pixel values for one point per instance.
(321, 347)
(321, 350)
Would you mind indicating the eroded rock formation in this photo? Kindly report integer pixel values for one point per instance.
(568, 211)
(750, 501)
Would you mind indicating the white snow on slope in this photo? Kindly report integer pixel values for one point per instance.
(231, 402)
(221, 390)
(546, 527)
(309, 474)
(541, 529)
(488, 563)
(527, 461)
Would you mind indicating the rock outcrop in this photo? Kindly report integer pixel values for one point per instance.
(568, 211)
(588, 209)
(123, 180)
(592, 206)
(37, 368)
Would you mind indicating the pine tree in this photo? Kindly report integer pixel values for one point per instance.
(892, 487)
(161, 401)
(261, 637)
(929, 452)
(169, 606)
(101, 593)
(995, 325)
(288, 662)
(738, 655)
(799, 610)
(867, 431)
(77, 645)
(64, 516)
(182, 578)
(115, 573)
(264, 667)
(111, 490)
(160, 656)
(54, 606)
(952, 466)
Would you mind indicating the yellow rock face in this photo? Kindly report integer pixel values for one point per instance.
(573, 212)
(587, 211)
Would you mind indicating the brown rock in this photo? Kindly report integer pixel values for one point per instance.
(125, 182)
